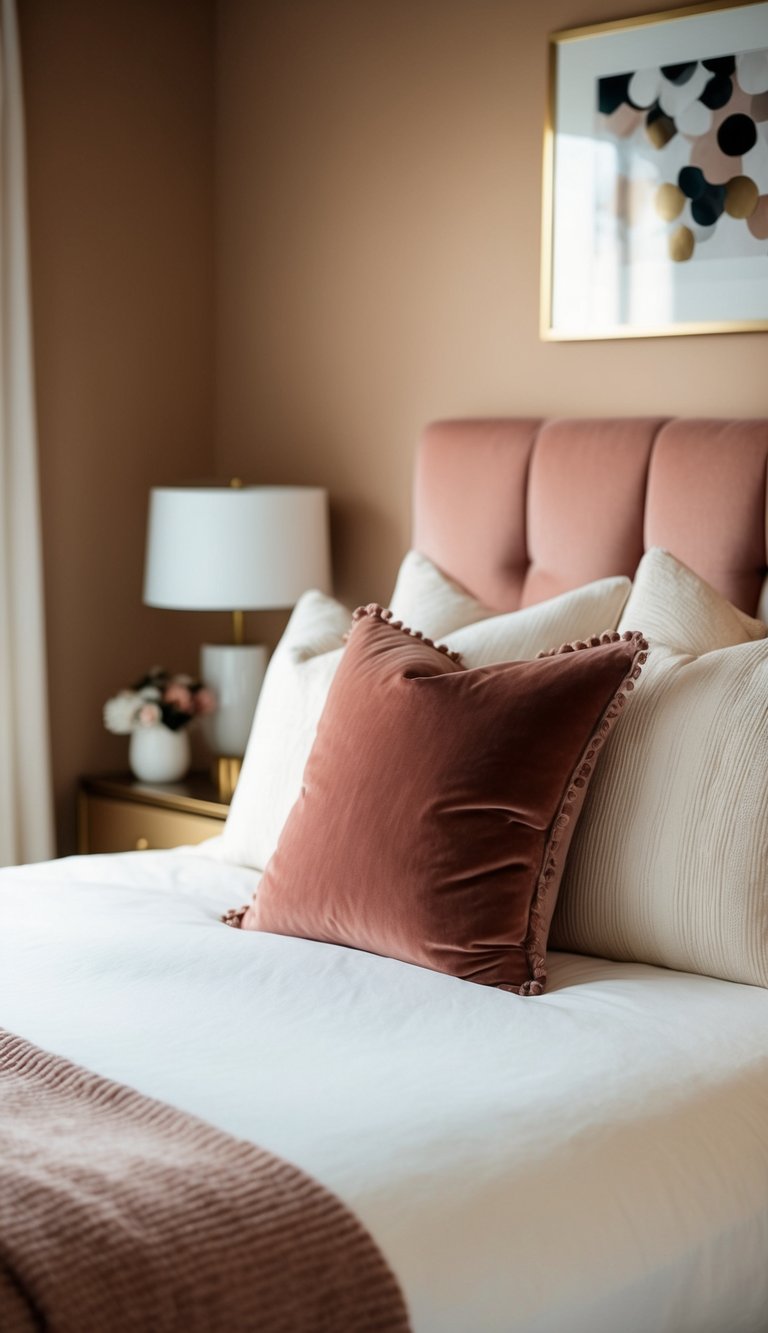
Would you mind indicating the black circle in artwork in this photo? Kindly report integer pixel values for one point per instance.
(717, 92)
(707, 209)
(692, 183)
(612, 92)
(720, 64)
(679, 74)
(737, 135)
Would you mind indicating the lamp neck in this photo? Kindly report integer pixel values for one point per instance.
(238, 628)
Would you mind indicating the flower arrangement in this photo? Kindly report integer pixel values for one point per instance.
(158, 700)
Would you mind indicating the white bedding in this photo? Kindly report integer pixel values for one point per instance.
(592, 1160)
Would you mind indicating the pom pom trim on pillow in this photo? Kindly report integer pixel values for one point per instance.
(539, 921)
(375, 612)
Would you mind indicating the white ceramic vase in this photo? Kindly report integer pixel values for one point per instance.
(157, 754)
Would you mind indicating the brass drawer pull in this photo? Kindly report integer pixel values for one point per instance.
(142, 844)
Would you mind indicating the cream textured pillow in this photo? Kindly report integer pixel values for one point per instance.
(668, 862)
(522, 634)
(426, 597)
(681, 611)
(301, 670)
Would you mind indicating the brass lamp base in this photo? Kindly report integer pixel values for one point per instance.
(225, 771)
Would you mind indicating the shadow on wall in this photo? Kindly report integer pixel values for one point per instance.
(358, 531)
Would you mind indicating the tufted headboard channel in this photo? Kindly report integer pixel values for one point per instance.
(518, 510)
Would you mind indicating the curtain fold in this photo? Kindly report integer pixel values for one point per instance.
(26, 815)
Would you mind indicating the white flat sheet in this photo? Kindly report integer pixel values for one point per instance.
(592, 1160)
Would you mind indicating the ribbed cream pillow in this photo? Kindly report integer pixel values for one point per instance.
(669, 862)
(305, 661)
(681, 611)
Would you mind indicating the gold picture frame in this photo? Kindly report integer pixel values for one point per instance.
(655, 205)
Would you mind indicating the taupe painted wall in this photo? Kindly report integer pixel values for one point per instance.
(379, 169)
(120, 117)
(274, 238)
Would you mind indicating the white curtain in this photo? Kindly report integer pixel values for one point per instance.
(26, 823)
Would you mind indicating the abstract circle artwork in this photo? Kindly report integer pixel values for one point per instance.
(686, 130)
(655, 215)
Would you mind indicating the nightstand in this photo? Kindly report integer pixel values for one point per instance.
(117, 813)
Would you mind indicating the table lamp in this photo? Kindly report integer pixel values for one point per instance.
(234, 548)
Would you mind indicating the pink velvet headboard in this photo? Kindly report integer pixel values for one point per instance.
(519, 510)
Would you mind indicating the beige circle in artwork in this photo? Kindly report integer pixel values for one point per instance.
(681, 244)
(660, 131)
(669, 201)
(741, 196)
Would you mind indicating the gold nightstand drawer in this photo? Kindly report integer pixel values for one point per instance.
(124, 817)
(123, 826)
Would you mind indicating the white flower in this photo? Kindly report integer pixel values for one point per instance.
(121, 712)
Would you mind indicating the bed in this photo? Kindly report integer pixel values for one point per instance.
(591, 1158)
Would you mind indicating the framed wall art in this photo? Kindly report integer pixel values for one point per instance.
(656, 176)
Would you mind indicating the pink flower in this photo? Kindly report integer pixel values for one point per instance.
(180, 697)
(149, 715)
(205, 701)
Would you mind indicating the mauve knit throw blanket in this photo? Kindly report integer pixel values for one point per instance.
(119, 1214)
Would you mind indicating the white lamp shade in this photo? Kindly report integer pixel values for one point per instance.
(235, 548)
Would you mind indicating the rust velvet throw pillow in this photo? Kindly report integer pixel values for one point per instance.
(438, 802)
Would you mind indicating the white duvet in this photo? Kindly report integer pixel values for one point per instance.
(591, 1161)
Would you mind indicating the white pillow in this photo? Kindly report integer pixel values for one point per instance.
(303, 665)
(522, 634)
(668, 860)
(425, 598)
(292, 698)
(679, 610)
